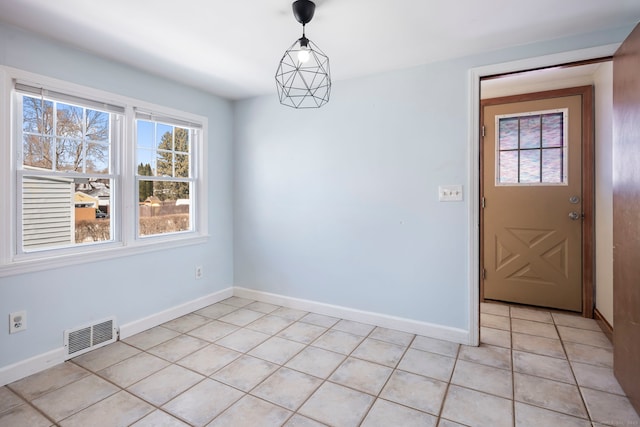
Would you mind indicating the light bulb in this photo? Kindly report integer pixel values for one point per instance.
(303, 55)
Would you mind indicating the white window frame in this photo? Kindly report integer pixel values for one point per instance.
(195, 131)
(124, 222)
(565, 149)
(22, 172)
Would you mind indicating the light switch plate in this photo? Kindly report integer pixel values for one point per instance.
(450, 193)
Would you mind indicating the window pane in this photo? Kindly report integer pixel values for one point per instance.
(61, 211)
(31, 115)
(164, 164)
(69, 121)
(146, 157)
(530, 132)
(166, 209)
(93, 222)
(508, 169)
(144, 169)
(529, 166)
(37, 115)
(36, 152)
(552, 130)
(145, 188)
(552, 165)
(97, 158)
(182, 140)
(182, 165)
(145, 134)
(97, 126)
(164, 133)
(508, 133)
(69, 155)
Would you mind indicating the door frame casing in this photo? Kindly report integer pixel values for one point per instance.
(587, 175)
(473, 160)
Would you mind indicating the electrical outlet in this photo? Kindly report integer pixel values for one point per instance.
(17, 322)
(198, 272)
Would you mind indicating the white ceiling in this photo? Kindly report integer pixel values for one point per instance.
(232, 48)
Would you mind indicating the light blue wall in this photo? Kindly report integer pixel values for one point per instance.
(339, 205)
(134, 287)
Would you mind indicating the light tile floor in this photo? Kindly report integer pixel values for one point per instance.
(246, 363)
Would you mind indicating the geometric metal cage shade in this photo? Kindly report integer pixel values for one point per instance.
(303, 84)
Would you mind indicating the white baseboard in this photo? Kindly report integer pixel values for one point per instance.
(156, 319)
(24, 368)
(33, 365)
(430, 330)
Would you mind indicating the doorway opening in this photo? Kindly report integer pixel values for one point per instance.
(535, 74)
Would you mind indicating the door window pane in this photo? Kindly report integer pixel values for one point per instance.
(509, 134)
(552, 165)
(552, 130)
(509, 166)
(529, 166)
(530, 132)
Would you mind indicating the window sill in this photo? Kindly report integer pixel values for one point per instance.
(109, 251)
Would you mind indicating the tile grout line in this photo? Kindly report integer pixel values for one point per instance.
(448, 386)
(393, 370)
(513, 373)
(30, 404)
(573, 374)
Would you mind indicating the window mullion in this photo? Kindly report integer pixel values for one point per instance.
(519, 146)
(540, 147)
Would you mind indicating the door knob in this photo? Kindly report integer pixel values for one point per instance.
(574, 215)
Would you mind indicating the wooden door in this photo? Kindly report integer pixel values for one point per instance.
(533, 199)
(626, 216)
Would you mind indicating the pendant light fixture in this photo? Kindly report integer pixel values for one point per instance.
(303, 79)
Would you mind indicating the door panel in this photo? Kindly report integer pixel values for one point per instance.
(626, 216)
(532, 248)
